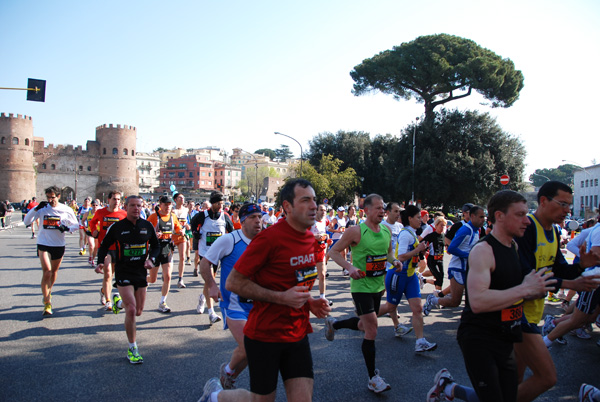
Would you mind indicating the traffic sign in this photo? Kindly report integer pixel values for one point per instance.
(504, 179)
(325, 200)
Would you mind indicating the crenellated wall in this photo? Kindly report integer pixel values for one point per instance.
(17, 181)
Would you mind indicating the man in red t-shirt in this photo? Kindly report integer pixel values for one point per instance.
(102, 220)
(277, 272)
(30, 206)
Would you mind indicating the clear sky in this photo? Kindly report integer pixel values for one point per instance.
(229, 74)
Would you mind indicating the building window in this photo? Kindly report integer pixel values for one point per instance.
(104, 151)
(89, 168)
(125, 152)
(595, 201)
(191, 174)
(203, 173)
(596, 182)
(209, 174)
(53, 166)
(191, 183)
(44, 166)
(80, 168)
(586, 201)
(132, 152)
(180, 174)
(15, 141)
(115, 151)
(3, 140)
(202, 182)
(26, 141)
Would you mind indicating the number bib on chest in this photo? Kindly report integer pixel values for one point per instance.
(51, 222)
(375, 265)
(211, 237)
(306, 276)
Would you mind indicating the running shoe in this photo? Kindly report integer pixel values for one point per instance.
(83, 252)
(108, 306)
(163, 308)
(134, 357)
(195, 272)
(33, 235)
(421, 280)
(553, 299)
(214, 318)
(102, 297)
(582, 334)
(588, 328)
(436, 393)
(548, 325)
(227, 380)
(329, 330)
(378, 384)
(47, 309)
(429, 305)
(425, 346)
(180, 284)
(562, 340)
(188, 262)
(588, 393)
(565, 305)
(561, 295)
(201, 304)
(402, 330)
(116, 300)
(212, 385)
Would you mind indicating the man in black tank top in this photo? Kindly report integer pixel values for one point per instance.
(491, 320)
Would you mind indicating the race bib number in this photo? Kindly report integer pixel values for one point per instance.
(438, 257)
(108, 221)
(166, 235)
(132, 251)
(51, 222)
(375, 265)
(306, 276)
(512, 313)
(211, 237)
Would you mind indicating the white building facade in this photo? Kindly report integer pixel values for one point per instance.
(586, 192)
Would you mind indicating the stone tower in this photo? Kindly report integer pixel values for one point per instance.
(17, 181)
(117, 167)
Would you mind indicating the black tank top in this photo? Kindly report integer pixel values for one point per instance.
(505, 324)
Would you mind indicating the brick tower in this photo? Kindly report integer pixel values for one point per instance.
(117, 167)
(17, 181)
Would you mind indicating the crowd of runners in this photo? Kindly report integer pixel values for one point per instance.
(504, 261)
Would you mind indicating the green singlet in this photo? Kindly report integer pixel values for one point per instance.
(370, 256)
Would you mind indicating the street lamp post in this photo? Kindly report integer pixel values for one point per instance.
(541, 175)
(412, 198)
(285, 135)
(255, 173)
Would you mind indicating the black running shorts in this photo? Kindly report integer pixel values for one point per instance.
(56, 253)
(366, 303)
(267, 359)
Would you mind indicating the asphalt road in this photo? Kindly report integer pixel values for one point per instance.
(79, 352)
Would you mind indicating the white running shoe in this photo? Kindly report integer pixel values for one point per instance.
(212, 385)
(163, 308)
(378, 384)
(227, 380)
(108, 306)
(201, 304)
(436, 393)
(180, 284)
(425, 346)
(429, 305)
(214, 318)
(402, 330)
(582, 334)
(102, 297)
(548, 324)
(588, 393)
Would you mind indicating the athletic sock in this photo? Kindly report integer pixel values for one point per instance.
(229, 370)
(133, 345)
(547, 341)
(462, 393)
(368, 351)
(211, 310)
(181, 278)
(350, 323)
(214, 397)
(163, 299)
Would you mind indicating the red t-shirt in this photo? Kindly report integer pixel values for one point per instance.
(103, 219)
(279, 258)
